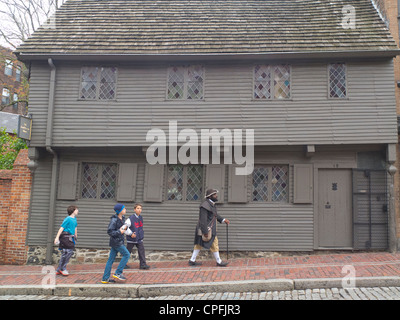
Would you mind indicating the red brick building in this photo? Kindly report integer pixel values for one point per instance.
(12, 84)
(15, 190)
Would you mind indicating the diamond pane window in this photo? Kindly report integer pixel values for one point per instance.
(260, 184)
(89, 83)
(337, 80)
(185, 83)
(279, 183)
(270, 184)
(108, 180)
(194, 183)
(175, 183)
(271, 82)
(184, 183)
(107, 83)
(89, 181)
(282, 82)
(99, 181)
(195, 83)
(98, 83)
(262, 82)
(176, 83)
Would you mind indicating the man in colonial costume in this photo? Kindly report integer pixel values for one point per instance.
(207, 219)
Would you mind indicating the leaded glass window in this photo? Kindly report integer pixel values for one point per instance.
(272, 82)
(175, 183)
(337, 80)
(98, 181)
(185, 83)
(184, 183)
(98, 83)
(270, 184)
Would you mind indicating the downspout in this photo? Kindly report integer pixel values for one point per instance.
(49, 142)
(398, 15)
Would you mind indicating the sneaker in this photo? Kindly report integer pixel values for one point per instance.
(119, 277)
(108, 281)
(58, 272)
(64, 272)
(194, 263)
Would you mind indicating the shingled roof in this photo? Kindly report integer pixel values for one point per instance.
(214, 27)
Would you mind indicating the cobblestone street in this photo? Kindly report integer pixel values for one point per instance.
(377, 293)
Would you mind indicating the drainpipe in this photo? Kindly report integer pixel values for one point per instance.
(398, 15)
(49, 141)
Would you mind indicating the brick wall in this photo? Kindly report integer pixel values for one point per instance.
(5, 195)
(391, 13)
(15, 190)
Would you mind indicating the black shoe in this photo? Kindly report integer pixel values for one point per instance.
(194, 263)
(144, 267)
(222, 264)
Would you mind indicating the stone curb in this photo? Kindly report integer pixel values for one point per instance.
(153, 290)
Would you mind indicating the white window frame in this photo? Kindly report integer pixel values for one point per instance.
(15, 100)
(5, 96)
(18, 73)
(8, 67)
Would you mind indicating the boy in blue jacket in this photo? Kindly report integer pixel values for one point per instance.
(136, 236)
(116, 230)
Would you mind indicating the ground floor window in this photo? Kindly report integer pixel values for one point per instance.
(270, 183)
(98, 180)
(184, 183)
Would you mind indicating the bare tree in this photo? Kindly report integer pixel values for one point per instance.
(20, 18)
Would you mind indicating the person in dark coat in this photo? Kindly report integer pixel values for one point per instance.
(208, 216)
(116, 230)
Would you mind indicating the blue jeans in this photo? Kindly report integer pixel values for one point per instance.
(113, 253)
(66, 254)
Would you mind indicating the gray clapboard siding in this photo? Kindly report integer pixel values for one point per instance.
(170, 225)
(309, 117)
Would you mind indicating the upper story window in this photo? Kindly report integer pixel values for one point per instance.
(15, 100)
(8, 67)
(337, 80)
(184, 183)
(185, 83)
(5, 97)
(18, 74)
(98, 83)
(270, 183)
(272, 82)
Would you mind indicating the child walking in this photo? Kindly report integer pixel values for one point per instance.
(65, 238)
(135, 225)
(116, 230)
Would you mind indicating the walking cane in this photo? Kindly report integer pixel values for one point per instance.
(227, 243)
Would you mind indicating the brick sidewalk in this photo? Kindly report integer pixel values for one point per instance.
(313, 266)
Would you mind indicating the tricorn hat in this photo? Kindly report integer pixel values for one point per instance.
(210, 192)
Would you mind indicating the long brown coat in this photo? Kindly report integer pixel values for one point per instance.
(206, 214)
